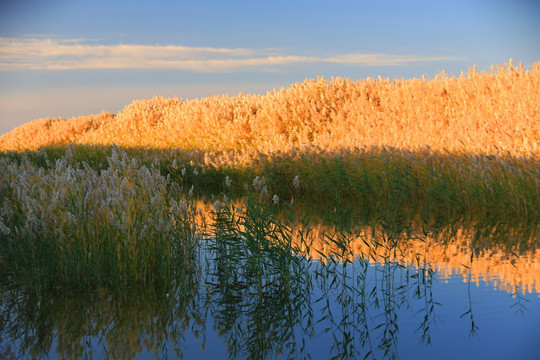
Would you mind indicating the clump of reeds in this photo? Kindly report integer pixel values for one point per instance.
(251, 241)
(70, 225)
(491, 113)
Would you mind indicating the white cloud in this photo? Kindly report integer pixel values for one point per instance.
(68, 54)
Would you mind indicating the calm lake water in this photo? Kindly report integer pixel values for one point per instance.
(462, 296)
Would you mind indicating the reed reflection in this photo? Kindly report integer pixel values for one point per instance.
(269, 288)
(506, 257)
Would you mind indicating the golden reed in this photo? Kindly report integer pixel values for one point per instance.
(484, 113)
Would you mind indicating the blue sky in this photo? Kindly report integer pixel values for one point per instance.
(70, 58)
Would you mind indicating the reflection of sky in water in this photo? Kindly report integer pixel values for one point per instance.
(503, 332)
(503, 329)
(505, 326)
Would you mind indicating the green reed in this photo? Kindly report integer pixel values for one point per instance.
(372, 181)
(251, 241)
(69, 225)
(257, 271)
(90, 216)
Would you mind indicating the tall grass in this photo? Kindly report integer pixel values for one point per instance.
(366, 182)
(70, 225)
(454, 145)
(491, 113)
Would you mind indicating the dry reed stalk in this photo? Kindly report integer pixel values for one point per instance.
(477, 113)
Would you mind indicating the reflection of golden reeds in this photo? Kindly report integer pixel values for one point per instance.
(448, 252)
(449, 255)
(478, 112)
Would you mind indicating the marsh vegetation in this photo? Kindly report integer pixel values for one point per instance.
(326, 208)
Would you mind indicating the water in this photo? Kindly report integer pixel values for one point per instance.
(424, 298)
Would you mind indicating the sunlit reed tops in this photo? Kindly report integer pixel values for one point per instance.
(491, 113)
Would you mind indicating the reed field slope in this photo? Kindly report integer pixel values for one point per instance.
(458, 144)
(477, 113)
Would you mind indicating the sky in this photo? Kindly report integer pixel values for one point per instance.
(70, 58)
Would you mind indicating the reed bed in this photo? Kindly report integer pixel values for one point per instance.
(108, 199)
(71, 226)
(243, 259)
(368, 181)
(490, 113)
(68, 225)
(458, 145)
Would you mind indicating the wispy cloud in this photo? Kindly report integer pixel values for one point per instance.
(69, 54)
